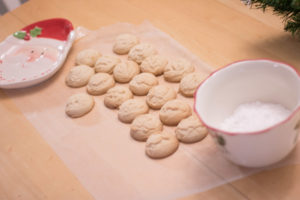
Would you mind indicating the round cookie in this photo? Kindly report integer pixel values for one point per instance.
(79, 76)
(177, 69)
(189, 83)
(79, 104)
(125, 71)
(106, 63)
(154, 64)
(132, 108)
(142, 83)
(116, 96)
(141, 51)
(100, 83)
(161, 145)
(145, 125)
(124, 43)
(174, 111)
(87, 57)
(159, 95)
(190, 130)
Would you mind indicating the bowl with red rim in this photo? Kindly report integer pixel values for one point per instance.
(247, 81)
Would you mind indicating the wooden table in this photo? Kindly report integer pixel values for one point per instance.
(219, 32)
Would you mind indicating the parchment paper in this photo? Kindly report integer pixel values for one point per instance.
(98, 148)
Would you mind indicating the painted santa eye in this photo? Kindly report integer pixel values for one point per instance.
(31, 51)
(42, 53)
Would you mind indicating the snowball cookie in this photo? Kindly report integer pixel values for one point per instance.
(145, 125)
(141, 51)
(132, 108)
(190, 130)
(100, 83)
(87, 57)
(116, 96)
(125, 71)
(159, 95)
(79, 104)
(142, 83)
(106, 63)
(174, 111)
(124, 43)
(189, 83)
(154, 64)
(79, 76)
(161, 145)
(177, 69)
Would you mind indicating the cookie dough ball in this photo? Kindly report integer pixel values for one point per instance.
(159, 95)
(161, 145)
(79, 104)
(87, 57)
(116, 96)
(142, 83)
(79, 76)
(106, 63)
(100, 83)
(174, 111)
(125, 71)
(190, 130)
(141, 51)
(132, 108)
(189, 83)
(154, 64)
(124, 43)
(145, 125)
(177, 69)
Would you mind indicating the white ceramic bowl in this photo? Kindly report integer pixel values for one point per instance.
(247, 81)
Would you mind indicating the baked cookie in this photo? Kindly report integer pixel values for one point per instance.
(190, 130)
(177, 69)
(161, 145)
(79, 76)
(116, 96)
(87, 57)
(154, 64)
(174, 111)
(79, 104)
(132, 108)
(145, 125)
(189, 83)
(159, 95)
(106, 63)
(124, 43)
(100, 83)
(142, 83)
(125, 71)
(141, 51)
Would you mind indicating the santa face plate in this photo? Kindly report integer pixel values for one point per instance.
(35, 53)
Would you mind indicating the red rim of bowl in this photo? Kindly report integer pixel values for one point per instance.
(251, 132)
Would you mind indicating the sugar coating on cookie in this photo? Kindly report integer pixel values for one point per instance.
(145, 125)
(79, 76)
(190, 83)
(124, 43)
(125, 71)
(141, 51)
(132, 108)
(87, 57)
(159, 95)
(174, 111)
(142, 83)
(177, 69)
(100, 83)
(116, 96)
(154, 64)
(106, 63)
(190, 130)
(79, 105)
(161, 145)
